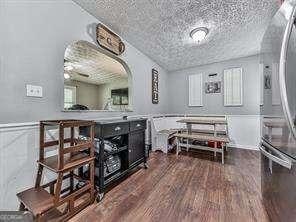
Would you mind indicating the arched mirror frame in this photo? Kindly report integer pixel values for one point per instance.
(127, 69)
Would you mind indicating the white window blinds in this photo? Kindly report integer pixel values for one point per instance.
(195, 90)
(69, 96)
(233, 87)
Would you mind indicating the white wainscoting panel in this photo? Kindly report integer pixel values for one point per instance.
(244, 131)
(18, 153)
(19, 150)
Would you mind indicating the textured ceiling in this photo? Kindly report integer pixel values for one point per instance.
(160, 28)
(86, 60)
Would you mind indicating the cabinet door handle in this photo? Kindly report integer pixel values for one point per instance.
(117, 128)
(138, 125)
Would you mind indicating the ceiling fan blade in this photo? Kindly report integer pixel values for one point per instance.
(84, 75)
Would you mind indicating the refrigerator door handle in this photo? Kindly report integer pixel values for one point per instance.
(280, 159)
(282, 73)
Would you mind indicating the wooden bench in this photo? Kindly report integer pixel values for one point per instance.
(204, 138)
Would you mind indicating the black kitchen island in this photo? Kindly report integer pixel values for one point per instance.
(120, 147)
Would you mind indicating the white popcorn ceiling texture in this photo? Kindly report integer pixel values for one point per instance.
(160, 28)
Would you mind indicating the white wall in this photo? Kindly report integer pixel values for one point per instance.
(33, 39)
(213, 103)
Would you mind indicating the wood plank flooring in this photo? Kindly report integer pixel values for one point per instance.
(190, 187)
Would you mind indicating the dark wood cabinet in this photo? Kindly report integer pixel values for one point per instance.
(136, 147)
(131, 152)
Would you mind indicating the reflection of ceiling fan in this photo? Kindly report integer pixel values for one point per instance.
(71, 73)
(69, 69)
(81, 74)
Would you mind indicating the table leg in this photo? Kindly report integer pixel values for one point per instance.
(270, 133)
(222, 154)
(189, 128)
(178, 146)
(187, 147)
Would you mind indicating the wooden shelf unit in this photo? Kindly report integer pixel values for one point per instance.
(72, 153)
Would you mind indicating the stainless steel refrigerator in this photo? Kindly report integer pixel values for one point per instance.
(278, 110)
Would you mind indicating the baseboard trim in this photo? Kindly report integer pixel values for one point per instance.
(246, 147)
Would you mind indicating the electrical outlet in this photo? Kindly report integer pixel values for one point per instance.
(34, 91)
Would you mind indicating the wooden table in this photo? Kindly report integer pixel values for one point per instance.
(203, 121)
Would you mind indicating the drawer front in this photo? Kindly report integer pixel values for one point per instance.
(138, 125)
(115, 129)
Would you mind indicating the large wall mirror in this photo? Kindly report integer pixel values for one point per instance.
(95, 79)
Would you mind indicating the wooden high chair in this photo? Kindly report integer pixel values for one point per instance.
(58, 201)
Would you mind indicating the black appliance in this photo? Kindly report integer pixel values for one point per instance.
(278, 133)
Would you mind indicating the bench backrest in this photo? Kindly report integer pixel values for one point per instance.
(166, 123)
(170, 122)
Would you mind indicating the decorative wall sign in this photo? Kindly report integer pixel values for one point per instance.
(155, 93)
(213, 74)
(109, 40)
(267, 82)
(213, 87)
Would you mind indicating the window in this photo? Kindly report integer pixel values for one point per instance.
(69, 96)
(195, 90)
(233, 87)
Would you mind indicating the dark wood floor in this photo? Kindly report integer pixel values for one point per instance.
(186, 188)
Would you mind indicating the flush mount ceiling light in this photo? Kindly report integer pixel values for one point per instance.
(199, 34)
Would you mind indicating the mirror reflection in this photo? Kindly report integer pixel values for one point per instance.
(94, 80)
